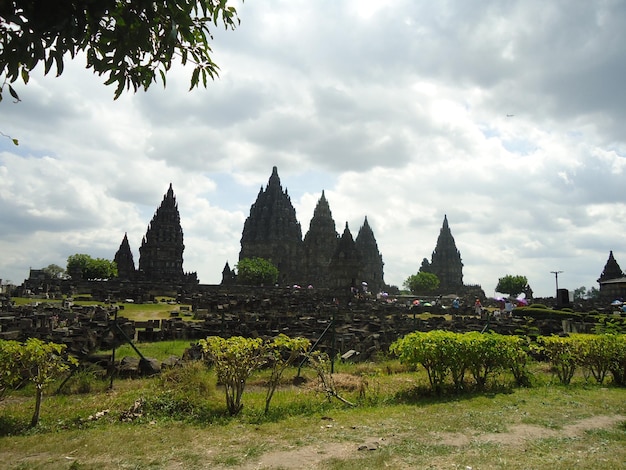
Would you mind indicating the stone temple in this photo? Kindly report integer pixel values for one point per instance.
(612, 280)
(161, 250)
(322, 258)
(446, 264)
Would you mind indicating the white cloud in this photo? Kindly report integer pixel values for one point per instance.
(398, 110)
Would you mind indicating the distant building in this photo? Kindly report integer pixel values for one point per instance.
(125, 261)
(322, 259)
(272, 231)
(446, 261)
(612, 280)
(371, 259)
(446, 264)
(320, 244)
(161, 250)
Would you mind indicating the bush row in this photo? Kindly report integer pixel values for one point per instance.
(482, 356)
(446, 355)
(596, 355)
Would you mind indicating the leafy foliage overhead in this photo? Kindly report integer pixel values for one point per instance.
(131, 41)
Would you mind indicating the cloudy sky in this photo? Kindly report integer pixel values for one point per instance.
(505, 115)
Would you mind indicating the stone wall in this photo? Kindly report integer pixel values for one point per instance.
(340, 322)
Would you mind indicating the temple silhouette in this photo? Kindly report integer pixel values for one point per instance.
(161, 250)
(322, 258)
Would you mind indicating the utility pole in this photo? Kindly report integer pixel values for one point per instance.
(556, 278)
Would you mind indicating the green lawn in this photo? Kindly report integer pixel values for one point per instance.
(182, 423)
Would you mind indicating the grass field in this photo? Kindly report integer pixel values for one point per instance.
(180, 422)
(132, 311)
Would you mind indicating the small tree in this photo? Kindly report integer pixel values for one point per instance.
(512, 285)
(422, 282)
(11, 375)
(54, 271)
(256, 272)
(44, 363)
(580, 293)
(234, 359)
(593, 293)
(283, 351)
(82, 266)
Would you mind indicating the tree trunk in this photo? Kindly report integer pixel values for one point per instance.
(38, 397)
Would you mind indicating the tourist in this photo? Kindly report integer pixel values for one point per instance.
(478, 307)
(508, 308)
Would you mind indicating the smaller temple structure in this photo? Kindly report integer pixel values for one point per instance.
(124, 261)
(446, 261)
(612, 280)
(161, 250)
(446, 264)
(371, 259)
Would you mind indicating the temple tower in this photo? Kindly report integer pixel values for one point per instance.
(272, 231)
(611, 269)
(345, 265)
(161, 251)
(319, 245)
(124, 260)
(228, 276)
(446, 261)
(371, 259)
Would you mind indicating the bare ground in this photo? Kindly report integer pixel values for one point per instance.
(313, 456)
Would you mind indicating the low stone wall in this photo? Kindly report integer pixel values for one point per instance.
(363, 325)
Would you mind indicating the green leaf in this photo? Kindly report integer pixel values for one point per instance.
(194, 78)
(14, 93)
(15, 141)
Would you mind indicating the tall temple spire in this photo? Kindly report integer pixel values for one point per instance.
(372, 260)
(272, 231)
(161, 251)
(446, 260)
(319, 244)
(345, 266)
(124, 260)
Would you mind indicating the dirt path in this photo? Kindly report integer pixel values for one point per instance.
(311, 457)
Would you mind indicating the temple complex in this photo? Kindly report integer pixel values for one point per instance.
(322, 259)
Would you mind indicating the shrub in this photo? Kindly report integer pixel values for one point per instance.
(562, 354)
(617, 366)
(445, 354)
(234, 359)
(595, 353)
